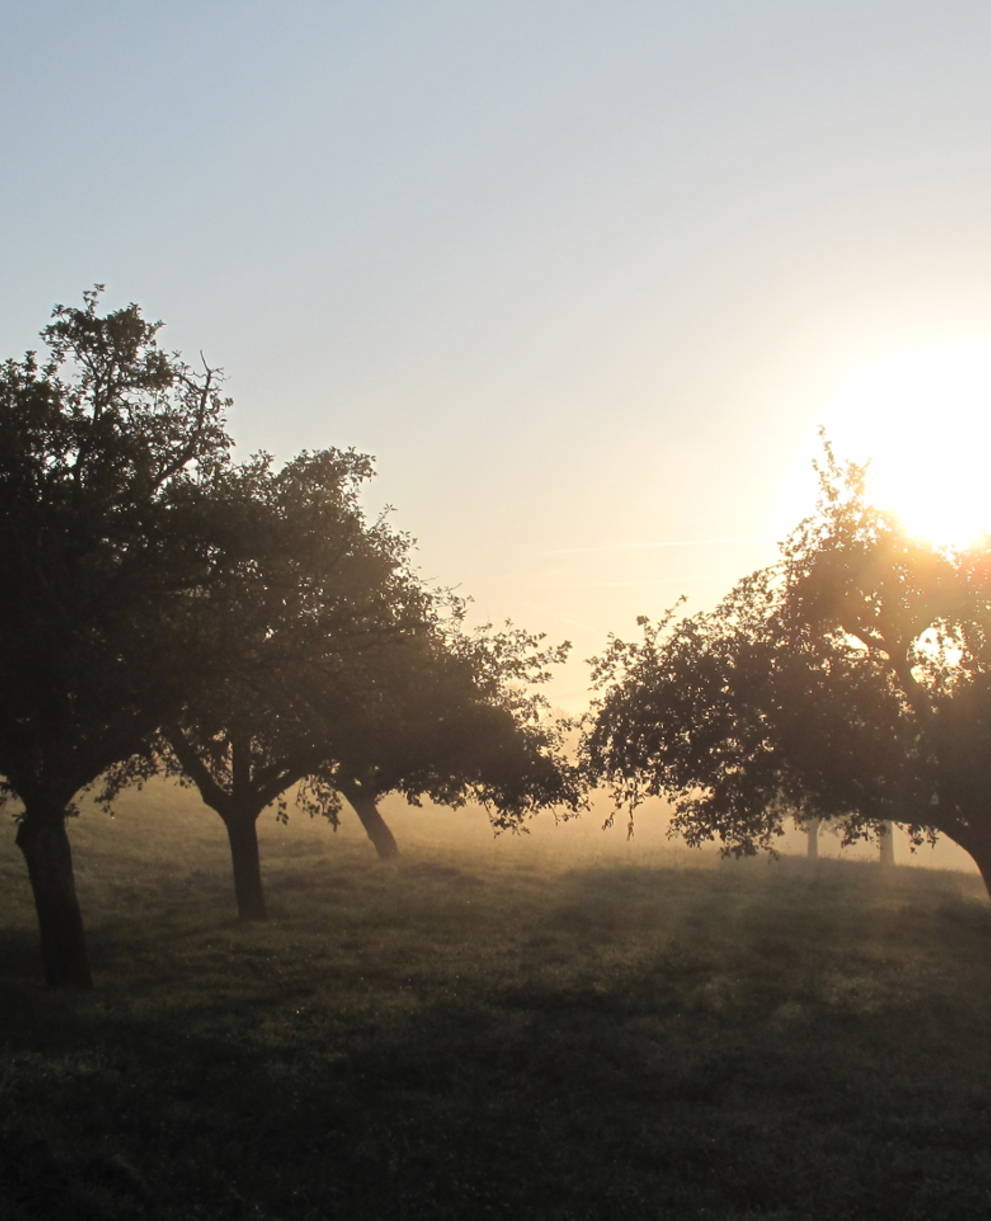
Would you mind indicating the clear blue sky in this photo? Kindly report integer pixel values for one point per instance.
(585, 277)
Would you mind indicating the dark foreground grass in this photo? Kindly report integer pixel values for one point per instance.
(496, 1035)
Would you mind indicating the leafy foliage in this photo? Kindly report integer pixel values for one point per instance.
(105, 449)
(243, 622)
(851, 680)
(307, 588)
(455, 716)
(345, 670)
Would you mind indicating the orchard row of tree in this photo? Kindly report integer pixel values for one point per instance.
(241, 625)
(244, 626)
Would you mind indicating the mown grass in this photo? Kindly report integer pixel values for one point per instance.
(494, 1032)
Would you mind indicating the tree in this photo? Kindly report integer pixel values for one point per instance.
(886, 844)
(456, 717)
(811, 826)
(310, 590)
(343, 675)
(852, 681)
(105, 449)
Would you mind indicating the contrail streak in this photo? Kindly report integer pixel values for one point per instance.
(671, 542)
(633, 584)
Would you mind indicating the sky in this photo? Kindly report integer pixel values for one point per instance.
(586, 278)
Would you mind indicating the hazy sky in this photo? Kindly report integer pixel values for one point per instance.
(585, 277)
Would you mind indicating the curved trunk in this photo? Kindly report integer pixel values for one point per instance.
(977, 844)
(886, 843)
(376, 828)
(239, 810)
(43, 840)
(983, 862)
(973, 835)
(242, 833)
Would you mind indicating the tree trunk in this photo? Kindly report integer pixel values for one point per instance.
(43, 840)
(886, 843)
(242, 832)
(812, 838)
(977, 844)
(376, 828)
(982, 859)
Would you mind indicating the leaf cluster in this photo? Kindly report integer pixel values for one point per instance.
(851, 680)
(244, 625)
(106, 448)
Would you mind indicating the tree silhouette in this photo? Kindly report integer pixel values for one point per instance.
(311, 593)
(339, 674)
(105, 451)
(456, 716)
(852, 681)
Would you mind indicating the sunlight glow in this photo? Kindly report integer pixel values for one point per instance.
(923, 418)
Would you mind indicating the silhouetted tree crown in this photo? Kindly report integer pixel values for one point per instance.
(348, 677)
(106, 449)
(851, 680)
(242, 623)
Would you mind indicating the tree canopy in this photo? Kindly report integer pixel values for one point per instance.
(348, 677)
(243, 622)
(850, 680)
(106, 448)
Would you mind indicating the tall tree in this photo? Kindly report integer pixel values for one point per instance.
(852, 680)
(105, 449)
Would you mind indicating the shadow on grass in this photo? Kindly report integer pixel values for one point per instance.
(622, 1043)
(543, 1102)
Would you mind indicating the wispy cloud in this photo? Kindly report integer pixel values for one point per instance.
(602, 548)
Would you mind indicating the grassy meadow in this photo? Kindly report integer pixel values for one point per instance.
(524, 1028)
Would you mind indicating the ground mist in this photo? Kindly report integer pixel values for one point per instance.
(493, 1029)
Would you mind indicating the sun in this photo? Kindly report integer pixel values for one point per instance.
(922, 416)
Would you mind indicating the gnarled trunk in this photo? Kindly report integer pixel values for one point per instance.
(242, 833)
(43, 840)
(376, 828)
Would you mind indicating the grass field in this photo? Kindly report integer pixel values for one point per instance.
(494, 1030)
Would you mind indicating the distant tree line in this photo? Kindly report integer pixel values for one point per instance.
(240, 625)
